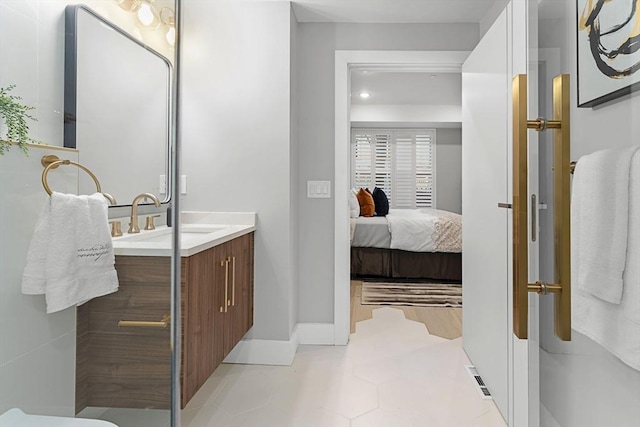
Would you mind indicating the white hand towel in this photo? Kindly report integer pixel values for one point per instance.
(615, 326)
(79, 259)
(33, 278)
(599, 216)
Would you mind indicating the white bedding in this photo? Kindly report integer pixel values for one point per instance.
(425, 230)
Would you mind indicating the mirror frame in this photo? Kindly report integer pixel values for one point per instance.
(70, 87)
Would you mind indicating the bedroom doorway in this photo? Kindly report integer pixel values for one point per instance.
(347, 63)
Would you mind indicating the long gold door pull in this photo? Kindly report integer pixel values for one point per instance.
(233, 281)
(165, 322)
(561, 174)
(225, 308)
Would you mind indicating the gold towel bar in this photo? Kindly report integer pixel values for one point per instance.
(51, 161)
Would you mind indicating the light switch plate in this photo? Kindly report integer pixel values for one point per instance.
(183, 184)
(318, 189)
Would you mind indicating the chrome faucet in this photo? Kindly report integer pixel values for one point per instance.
(133, 224)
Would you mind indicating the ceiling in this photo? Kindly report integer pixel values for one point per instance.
(391, 11)
(406, 88)
(395, 87)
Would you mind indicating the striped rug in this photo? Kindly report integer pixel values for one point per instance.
(416, 294)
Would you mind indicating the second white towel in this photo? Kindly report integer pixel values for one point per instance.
(599, 217)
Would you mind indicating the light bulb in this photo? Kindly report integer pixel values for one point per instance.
(364, 95)
(171, 36)
(145, 15)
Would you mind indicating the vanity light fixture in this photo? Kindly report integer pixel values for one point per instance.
(364, 95)
(147, 15)
(167, 17)
(128, 5)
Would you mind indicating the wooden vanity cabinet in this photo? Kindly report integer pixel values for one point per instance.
(130, 367)
(217, 308)
(217, 311)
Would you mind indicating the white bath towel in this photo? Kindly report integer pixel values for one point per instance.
(614, 326)
(70, 258)
(599, 214)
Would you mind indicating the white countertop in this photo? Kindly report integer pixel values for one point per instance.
(199, 231)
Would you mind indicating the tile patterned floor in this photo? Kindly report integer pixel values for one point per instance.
(392, 374)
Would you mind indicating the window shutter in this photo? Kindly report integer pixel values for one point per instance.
(400, 162)
(382, 163)
(361, 160)
(404, 179)
(425, 167)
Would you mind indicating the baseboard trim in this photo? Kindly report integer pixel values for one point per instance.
(281, 353)
(265, 352)
(316, 333)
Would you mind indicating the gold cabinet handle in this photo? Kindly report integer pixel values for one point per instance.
(233, 282)
(561, 175)
(225, 264)
(165, 322)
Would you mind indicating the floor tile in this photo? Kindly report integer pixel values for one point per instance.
(350, 397)
(392, 373)
(381, 418)
(205, 416)
(246, 393)
(126, 417)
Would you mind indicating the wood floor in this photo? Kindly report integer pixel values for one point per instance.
(443, 322)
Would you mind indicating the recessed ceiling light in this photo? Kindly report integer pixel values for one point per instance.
(433, 76)
(364, 95)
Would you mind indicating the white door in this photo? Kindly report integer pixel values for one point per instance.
(499, 357)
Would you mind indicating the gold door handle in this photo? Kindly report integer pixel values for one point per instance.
(534, 218)
(562, 241)
(233, 281)
(165, 322)
(225, 307)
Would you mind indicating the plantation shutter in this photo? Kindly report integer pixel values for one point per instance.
(400, 162)
(404, 180)
(382, 163)
(361, 160)
(425, 166)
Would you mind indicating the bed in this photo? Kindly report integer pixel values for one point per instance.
(408, 244)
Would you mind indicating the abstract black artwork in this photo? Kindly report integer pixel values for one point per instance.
(608, 50)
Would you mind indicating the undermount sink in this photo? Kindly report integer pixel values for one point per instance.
(165, 234)
(199, 231)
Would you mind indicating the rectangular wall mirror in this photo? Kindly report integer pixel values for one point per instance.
(117, 102)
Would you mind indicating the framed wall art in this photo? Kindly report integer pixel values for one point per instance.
(608, 50)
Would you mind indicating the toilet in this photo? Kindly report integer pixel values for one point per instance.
(16, 418)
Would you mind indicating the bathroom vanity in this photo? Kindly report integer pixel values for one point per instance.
(123, 339)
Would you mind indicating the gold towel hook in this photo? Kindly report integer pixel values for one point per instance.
(51, 161)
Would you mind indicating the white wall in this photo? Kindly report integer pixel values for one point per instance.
(492, 14)
(316, 46)
(37, 350)
(406, 113)
(237, 122)
(295, 172)
(582, 383)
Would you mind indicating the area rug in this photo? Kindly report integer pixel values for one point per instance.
(413, 294)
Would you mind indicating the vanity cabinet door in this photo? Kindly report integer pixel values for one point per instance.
(203, 280)
(241, 250)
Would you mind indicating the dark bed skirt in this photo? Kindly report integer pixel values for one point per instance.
(399, 264)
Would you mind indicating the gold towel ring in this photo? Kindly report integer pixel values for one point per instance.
(51, 161)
